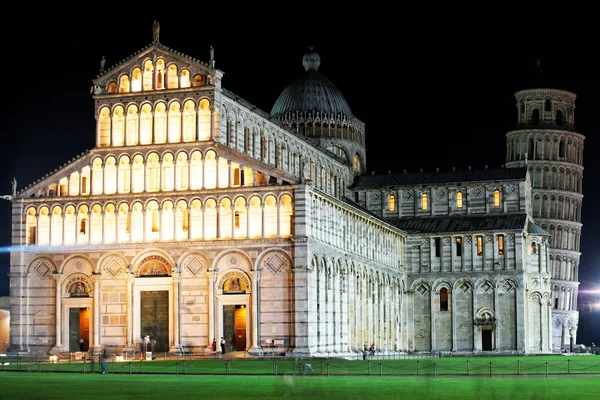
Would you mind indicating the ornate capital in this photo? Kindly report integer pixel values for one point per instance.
(96, 277)
(255, 275)
(176, 277)
(58, 276)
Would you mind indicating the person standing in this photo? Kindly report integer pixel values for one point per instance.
(214, 345)
(222, 345)
(104, 360)
(81, 341)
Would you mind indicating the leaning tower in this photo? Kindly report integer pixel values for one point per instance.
(547, 143)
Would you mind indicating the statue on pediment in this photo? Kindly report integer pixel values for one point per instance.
(155, 31)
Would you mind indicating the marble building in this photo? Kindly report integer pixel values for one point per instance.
(198, 216)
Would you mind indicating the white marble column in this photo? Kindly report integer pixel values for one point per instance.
(129, 298)
(176, 347)
(278, 205)
(25, 277)
(58, 347)
(211, 276)
(254, 348)
(96, 277)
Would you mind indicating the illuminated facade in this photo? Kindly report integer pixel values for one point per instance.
(197, 216)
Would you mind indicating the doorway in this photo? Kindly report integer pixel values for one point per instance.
(486, 339)
(79, 327)
(154, 310)
(234, 327)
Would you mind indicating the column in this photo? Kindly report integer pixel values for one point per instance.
(217, 172)
(218, 209)
(117, 226)
(212, 125)
(96, 309)
(497, 325)
(97, 132)
(189, 221)
(129, 339)
(233, 211)
(175, 238)
(254, 349)
(128, 224)
(64, 225)
(247, 220)
(176, 347)
(211, 276)
(25, 276)
(228, 173)
(144, 227)
(103, 222)
(202, 209)
(262, 220)
(58, 347)
(91, 180)
(278, 205)
(453, 315)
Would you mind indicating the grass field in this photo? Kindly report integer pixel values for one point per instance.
(67, 386)
(489, 378)
(458, 366)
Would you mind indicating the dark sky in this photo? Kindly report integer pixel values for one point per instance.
(426, 103)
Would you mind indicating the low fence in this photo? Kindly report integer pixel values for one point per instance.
(539, 366)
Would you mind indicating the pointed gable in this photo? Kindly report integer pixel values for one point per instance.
(156, 68)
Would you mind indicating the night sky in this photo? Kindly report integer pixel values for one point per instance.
(445, 102)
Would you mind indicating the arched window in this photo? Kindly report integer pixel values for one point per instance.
(535, 117)
(547, 105)
(533, 246)
(497, 198)
(82, 226)
(392, 202)
(459, 199)
(424, 203)
(559, 117)
(443, 299)
(356, 163)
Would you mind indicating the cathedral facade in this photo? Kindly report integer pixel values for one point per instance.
(198, 216)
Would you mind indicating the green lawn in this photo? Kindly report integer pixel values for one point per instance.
(77, 386)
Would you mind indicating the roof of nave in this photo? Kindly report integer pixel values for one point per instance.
(462, 223)
(439, 177)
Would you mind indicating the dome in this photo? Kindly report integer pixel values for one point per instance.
(311, 93)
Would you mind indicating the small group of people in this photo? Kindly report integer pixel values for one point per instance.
(222, 344)
(103, 358)
(368, 351)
